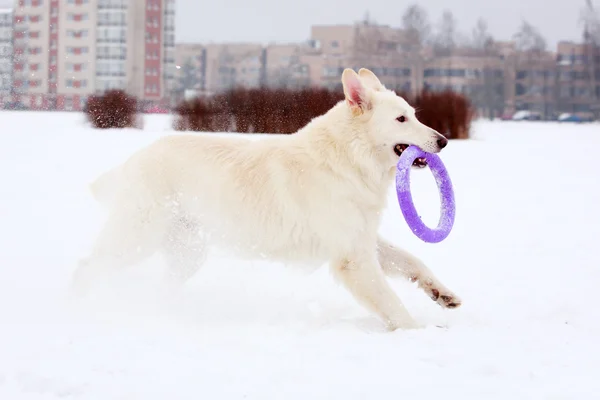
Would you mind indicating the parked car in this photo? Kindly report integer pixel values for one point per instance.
(568, 117)
(526, 115)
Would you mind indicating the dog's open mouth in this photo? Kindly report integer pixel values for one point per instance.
(419, 162)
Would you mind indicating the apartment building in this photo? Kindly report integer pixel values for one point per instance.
(66, 50)
(534, 79)
(381, 48)
(578, 78)
(6, 54)
(498, 80)
(212, 68)
(232, 64)
(287, 66)
(190, 60)
(480, 77)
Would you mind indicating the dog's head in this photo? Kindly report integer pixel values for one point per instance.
(388, 119)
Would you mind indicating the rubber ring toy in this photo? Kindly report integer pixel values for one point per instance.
(447, 206)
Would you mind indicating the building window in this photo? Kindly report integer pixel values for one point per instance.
(77, 17)
(77, 33)
(32, 3)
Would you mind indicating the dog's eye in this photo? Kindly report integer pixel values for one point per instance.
(401, 118)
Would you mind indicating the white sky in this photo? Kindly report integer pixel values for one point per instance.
(290, 20)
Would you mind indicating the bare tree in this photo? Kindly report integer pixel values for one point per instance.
(447, 38)
(188, 77)
(532, 65)
(415, 22)
(481, 38)
(380, 47)
(487, 94)
(529, 38)
(289, 75)
(590, 19)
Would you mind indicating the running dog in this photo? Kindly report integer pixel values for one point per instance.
(316, 197)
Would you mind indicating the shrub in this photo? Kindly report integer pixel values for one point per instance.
(286, 111)
(447, 112)
(255, 110)
(113, 109)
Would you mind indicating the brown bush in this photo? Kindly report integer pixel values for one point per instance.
(447, 112)
(255, 110)
(113, 109)
(286, 111)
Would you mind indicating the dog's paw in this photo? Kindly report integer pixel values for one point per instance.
(445, 298)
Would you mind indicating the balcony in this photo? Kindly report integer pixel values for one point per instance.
(19, 21)
(112, 23)
(111, 40)
(20, 41)
(102, 6)
(110, 74)
(110, 57)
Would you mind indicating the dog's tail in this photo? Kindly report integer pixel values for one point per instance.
(105, 187)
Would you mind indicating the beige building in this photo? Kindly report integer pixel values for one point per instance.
(190, 75)
(211, 68)
(533, 76)
(232, 64)
(499, 80)
(377, 47)
(66, 50)
(215, 67)
(207, 69)
(480, 77)
(6, 53)
(287, 66)
(578, 79)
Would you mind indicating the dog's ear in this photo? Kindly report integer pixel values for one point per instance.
(371, 80)
(356, 93)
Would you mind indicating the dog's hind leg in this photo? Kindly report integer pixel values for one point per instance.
(364, 279)
(129, 235)
(397, 262)
(184, 249)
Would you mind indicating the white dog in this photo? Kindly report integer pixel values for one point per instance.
(312, 197)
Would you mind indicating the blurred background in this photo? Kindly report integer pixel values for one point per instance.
(514, 59)
(523, 253)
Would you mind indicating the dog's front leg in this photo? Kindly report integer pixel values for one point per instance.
(397, 262)
(363, 277)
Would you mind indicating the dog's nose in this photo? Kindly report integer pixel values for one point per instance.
(442, 142)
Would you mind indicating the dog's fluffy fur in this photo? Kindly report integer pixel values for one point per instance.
(313, 197)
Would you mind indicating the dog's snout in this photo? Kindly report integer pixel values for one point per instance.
(442, 142)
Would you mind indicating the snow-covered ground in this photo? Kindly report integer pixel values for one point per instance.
(523, 255)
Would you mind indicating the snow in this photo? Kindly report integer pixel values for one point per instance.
(522, 255)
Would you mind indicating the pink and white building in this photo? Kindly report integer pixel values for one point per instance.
(66, 50)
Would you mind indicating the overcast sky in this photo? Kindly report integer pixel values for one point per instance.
(290, 20)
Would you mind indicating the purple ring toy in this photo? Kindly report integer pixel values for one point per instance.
(447, 208)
